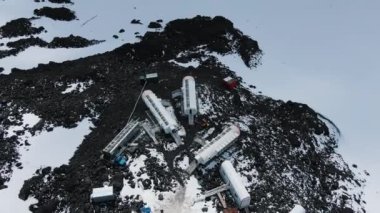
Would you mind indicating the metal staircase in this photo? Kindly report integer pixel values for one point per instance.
(212, 192)
(125, 134)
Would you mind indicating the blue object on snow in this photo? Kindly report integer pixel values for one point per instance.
(145, 209)
(120, 160)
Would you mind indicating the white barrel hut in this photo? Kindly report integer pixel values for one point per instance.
(102, 194)
(162, 116)
(218, 144)
(236, 187)
(190, 106)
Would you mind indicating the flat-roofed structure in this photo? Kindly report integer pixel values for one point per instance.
(102, 194)
(167, 123)
(149, 77)
(236, 187)
(190, 103)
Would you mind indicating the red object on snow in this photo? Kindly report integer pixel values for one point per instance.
(230, 210)
(230, 83)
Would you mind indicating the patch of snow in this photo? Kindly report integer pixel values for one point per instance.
(194, 63)
(183, 164)
(352, 189)
(47, 149)
(245, 168)
(205, 103)
(81, 86)
(178, 200)
(148, 196)
(29, 120)
(244, 122)
(186, 53)
(137, 164)
(170, 146)
(183, 200)
(298, 209)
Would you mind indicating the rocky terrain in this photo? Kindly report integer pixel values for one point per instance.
(25, 34)
(19, 27)
(154, 25)
(286, 151)
(56, 13)
(57, 1)
(70, 41)
(61, 1)
(135, 21)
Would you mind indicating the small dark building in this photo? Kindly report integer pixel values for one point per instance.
(150, 78)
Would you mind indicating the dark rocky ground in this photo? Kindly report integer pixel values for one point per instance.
(281, 138)
(61, 1)
(154, 25)
(70, 41)
(136, 21)
(19, 27)
(56, 13)
(57, 1)
(24, 27)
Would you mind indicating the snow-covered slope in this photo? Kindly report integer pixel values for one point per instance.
(48, 149)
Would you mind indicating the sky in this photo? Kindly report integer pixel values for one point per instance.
(322, 53)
